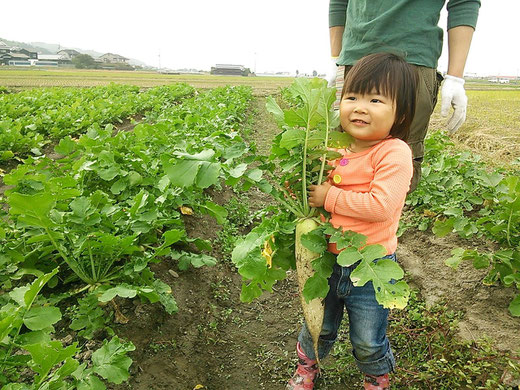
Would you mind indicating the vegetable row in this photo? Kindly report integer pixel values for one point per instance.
(81, 230)
(31, 119)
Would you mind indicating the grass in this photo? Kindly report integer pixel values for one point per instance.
(492, 127)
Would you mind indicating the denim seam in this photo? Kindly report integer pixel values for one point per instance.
(340, 283)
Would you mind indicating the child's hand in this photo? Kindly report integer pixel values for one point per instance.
(317, 194)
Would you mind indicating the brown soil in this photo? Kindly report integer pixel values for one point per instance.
(128, 124)
(220, 343)
(213, 340)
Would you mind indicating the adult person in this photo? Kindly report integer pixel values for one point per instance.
(409, 28)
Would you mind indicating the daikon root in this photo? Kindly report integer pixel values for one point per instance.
(314, 310)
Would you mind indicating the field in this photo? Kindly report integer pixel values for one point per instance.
(88, 78)
(165, 177)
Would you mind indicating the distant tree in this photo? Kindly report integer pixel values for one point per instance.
(124, 66)
(246, 72)
(84, 61)
(297, 72)
(314, 73)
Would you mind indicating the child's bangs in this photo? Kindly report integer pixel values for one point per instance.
(373, 78)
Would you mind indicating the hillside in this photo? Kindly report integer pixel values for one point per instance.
(52, 48)
(33, 46)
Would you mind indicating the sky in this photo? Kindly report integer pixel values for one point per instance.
(265, 36)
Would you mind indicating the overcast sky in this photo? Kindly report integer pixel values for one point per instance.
(268, 35)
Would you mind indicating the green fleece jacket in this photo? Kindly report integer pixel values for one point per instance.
(406, 27)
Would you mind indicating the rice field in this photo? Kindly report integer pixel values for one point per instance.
(492, 127)
(29, 78)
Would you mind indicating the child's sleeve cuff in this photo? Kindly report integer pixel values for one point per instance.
(331, 198)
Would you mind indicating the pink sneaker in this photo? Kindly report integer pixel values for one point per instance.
(380, 382)
(306, 372)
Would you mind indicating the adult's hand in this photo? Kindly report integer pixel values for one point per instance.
(454, 95)
(332, 72)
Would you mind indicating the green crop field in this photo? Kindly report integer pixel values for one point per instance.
(139, 228)
(492, 127)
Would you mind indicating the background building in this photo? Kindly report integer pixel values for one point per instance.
(230, 70)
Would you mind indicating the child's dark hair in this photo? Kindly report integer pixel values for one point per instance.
(389, 75)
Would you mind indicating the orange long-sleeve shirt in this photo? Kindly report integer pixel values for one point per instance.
(369, 190)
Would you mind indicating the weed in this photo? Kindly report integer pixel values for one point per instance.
(276, 367)
(221, 291)
(238, 219)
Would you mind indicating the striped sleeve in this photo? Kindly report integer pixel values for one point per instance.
(392, 175)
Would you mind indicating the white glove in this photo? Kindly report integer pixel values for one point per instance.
(331, 74)
(453, 94)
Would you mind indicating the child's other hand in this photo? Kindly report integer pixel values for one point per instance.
(317, 194)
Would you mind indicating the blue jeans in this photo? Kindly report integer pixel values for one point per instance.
(367, 322)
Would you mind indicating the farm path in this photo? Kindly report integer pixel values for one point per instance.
(222, 344)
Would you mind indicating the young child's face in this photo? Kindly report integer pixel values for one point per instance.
(367, 117)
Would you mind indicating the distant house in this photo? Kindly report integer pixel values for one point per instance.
(49, 57)
(4, 48)
(19, 56)
(44, 63)
(15, 55)
(503, 79)
(15, 59)
(51, 60)
(229, 69)
(111, 58)
(31, 54)
(5, 58)
(68, 54)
